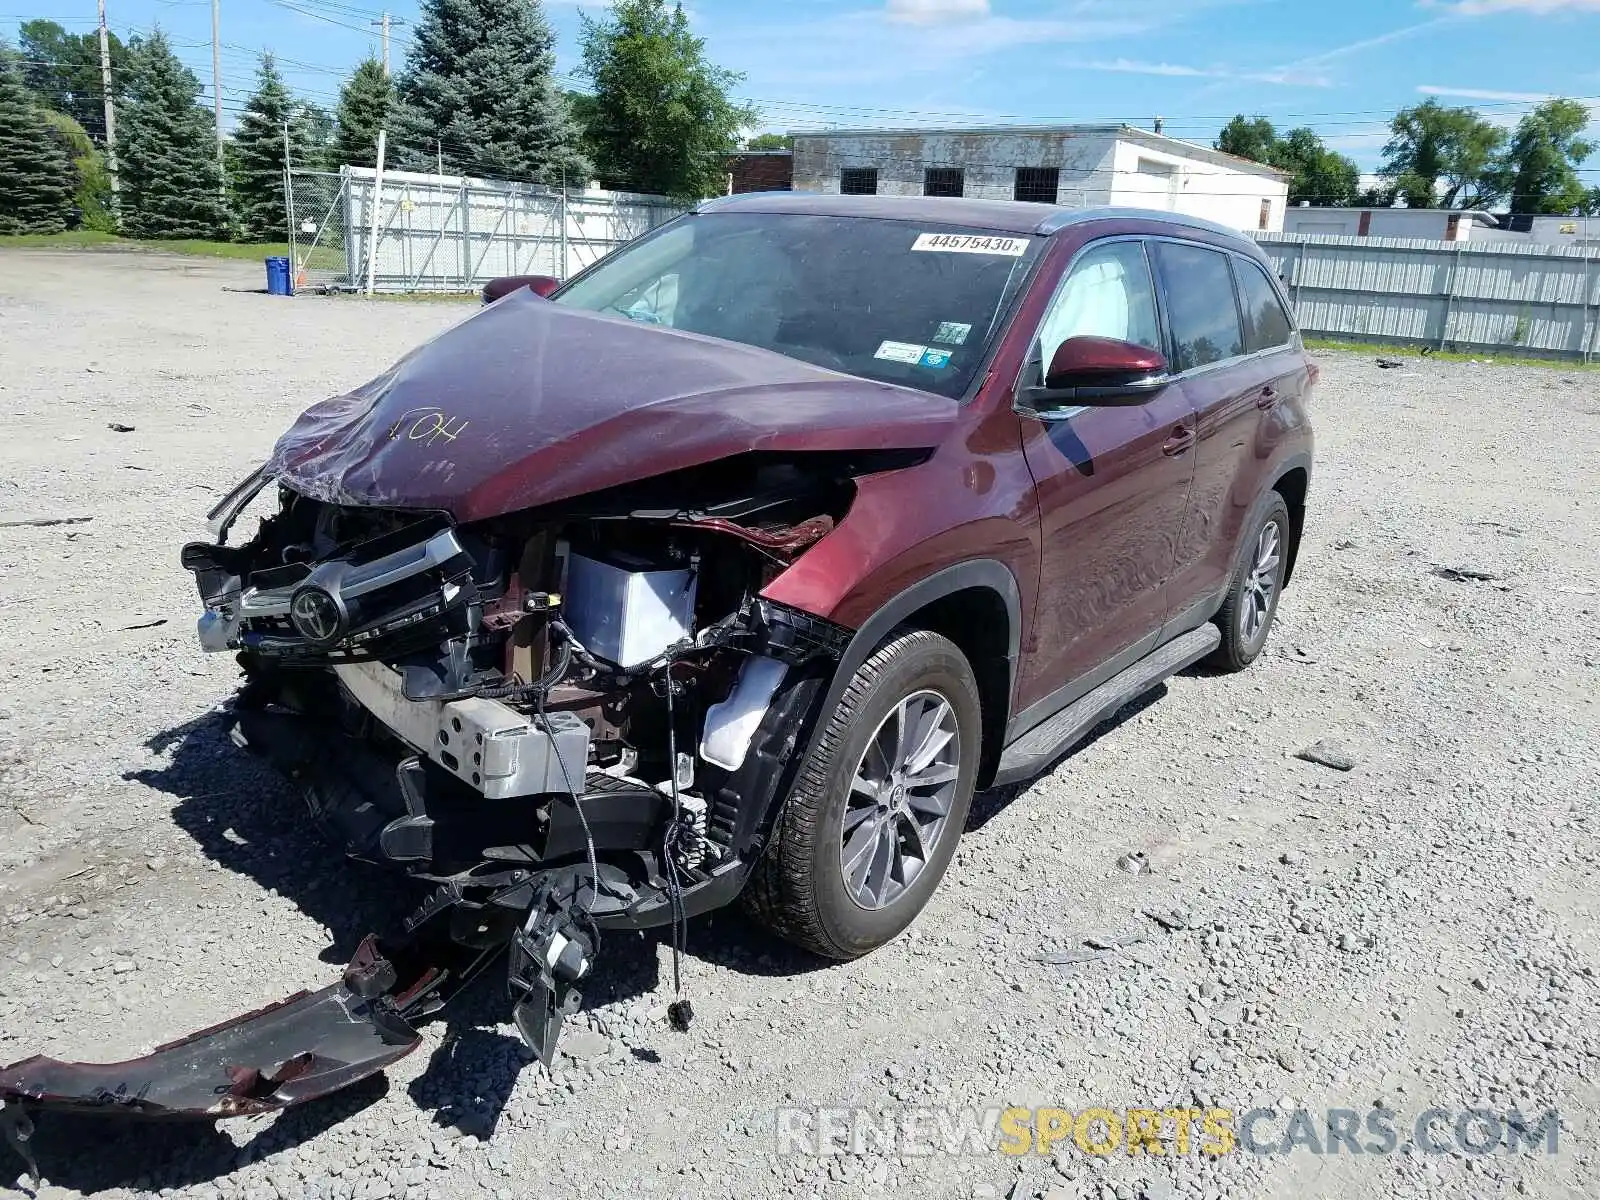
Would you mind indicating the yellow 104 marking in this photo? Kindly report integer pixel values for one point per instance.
(427, 426)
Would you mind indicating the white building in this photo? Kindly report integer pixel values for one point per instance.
(1429, 224)
(1081, 166)
(1529, 230)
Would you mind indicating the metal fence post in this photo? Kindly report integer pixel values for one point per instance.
(1449, 299)
(466, 236)
(566, 271)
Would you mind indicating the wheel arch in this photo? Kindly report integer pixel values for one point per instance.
(978, 606)
(1293, 483)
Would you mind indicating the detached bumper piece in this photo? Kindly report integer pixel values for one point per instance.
(307, 1046)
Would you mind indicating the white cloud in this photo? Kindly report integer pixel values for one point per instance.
(935, 12)
(1470, 93)
(1182, 71)
(1478, 8)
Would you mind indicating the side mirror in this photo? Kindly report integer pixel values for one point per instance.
(539, 285)
(1100, 371)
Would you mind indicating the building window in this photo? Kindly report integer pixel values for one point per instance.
(944, 181)
(1266, 214)
(1041, 185)
(858, 181)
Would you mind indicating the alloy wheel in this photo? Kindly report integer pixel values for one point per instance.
(1261, 585)
(900, 798)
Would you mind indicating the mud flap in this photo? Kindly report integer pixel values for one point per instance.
(296, 1050)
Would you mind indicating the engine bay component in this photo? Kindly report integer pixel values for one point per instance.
(731, 723)
(625, 611)
(501, 752)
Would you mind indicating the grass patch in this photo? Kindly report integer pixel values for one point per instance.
(409, 297)
(1483, 356)
(89, 239)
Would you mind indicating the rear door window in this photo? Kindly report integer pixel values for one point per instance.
(1201, 308)
(1267, 323)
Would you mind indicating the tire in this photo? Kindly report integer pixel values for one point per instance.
(1245, 617)
(802, 888)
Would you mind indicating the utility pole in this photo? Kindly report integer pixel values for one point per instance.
(216, 81)
(384, 23)
(111, 108)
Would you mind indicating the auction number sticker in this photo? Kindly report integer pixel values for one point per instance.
(971, 243)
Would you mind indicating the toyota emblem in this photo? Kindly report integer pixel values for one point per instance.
(317, 615)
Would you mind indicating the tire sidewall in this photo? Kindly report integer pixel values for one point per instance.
(942, 669)
(1270, 508)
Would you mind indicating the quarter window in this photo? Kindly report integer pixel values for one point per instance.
(1107, 295)
(1200, 304)
(1267, 324)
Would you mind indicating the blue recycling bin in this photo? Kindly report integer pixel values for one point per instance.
(279, 281)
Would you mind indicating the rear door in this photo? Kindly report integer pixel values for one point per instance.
(1112, 486)
(1222, 385)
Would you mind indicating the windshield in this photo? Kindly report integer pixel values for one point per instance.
(889, 300)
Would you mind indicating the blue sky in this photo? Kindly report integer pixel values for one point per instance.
(1340, 68)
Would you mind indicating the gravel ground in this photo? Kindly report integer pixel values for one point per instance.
(1418, 931)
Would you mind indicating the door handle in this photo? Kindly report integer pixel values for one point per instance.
(1268, 397)
(1182, 440)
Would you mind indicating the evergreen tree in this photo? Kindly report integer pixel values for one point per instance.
(256, 173)
(478, 85)
(662, 119)
(35, 173)
(365, 104)
(167, 150)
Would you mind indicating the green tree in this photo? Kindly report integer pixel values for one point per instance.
(63, 70)
(365, 103)
(1439, 157)
(770, 141)
(1591, 203)
(35, 173)
(1539, 171)
(663, 117)
(91, 190)
(167, 150)
(479, 85)
(1250, 137)
(317, 129)
(1319, 175)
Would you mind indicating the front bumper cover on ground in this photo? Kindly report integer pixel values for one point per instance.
(296, 1050)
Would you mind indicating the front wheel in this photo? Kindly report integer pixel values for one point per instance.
(874, 816)
(1246, 615)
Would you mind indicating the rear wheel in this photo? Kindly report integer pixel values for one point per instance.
(875, 814)
(1246, 615)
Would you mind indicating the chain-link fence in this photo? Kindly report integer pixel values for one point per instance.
(438, 233)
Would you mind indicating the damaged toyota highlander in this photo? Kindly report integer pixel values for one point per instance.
(729, 570)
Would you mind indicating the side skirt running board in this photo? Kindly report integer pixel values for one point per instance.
(1035, 750)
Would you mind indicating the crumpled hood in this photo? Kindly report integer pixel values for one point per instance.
(528, 402)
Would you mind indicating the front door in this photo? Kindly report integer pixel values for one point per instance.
(1112, 486)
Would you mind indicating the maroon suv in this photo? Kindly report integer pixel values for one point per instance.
(739, 562)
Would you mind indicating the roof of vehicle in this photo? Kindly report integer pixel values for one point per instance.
(1003, 216)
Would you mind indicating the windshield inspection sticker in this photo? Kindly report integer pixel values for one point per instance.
(935, 358)
(952, 333)
(971, 243)
(901, 352)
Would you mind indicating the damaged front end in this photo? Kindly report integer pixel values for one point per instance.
(563, 720)
(560, 722)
